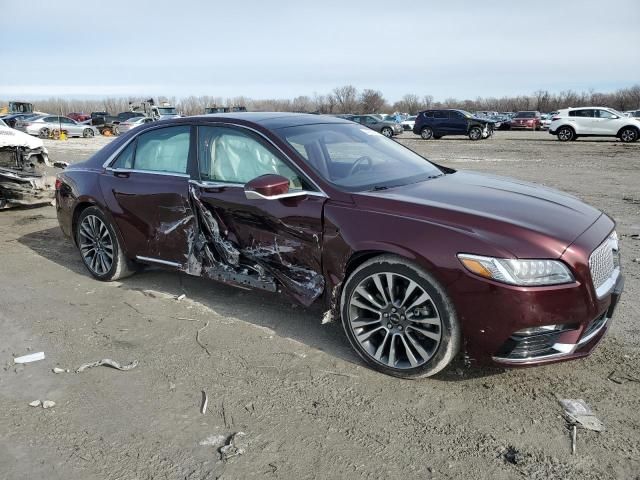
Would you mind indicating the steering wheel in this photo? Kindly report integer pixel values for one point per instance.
(356, 165)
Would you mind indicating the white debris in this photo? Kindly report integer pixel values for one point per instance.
(60, 370)
(108, 362)
(48, 404)
(205, 402)
(213, 441)
(35, 403)
(32, 357)
(579, 413)
(181, 297)
(327, 317)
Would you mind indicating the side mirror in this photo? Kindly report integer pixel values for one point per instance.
(269, 187)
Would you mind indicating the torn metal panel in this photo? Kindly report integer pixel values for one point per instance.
(213, 255)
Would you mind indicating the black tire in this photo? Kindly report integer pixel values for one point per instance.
(119, 267)
(426, 133)
(387, 132)
(44, 132)
(565, 134)
(628, 135)
(448, 328)
(87, 133)
(115, 130)
(475, 133)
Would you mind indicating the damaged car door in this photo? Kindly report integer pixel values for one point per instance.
(264, 240)
(147, 190)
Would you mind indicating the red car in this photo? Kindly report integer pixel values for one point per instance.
(79, 117)
(418, 261)
(530, 120)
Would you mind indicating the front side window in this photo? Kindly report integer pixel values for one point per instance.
(162, 150)
(355, 158)
(605, 114)
(441, 115)
(233, 156)
(125, 159)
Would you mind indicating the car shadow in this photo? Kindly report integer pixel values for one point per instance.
(267, 310)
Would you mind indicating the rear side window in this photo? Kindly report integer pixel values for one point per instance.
(441, 115)
(604, 114)
(162, 150)
(586, 112)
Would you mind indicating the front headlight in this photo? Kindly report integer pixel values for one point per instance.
(518, 272)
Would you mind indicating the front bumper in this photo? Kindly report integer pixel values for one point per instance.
(524, 326)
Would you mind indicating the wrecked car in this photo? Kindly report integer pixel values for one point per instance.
(418, 261)
(26, 175)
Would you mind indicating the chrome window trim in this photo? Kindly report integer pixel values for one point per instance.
(152, 172)
(291, 194)
(158, 260)
(113, 156)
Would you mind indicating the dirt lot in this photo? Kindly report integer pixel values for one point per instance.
(307, 405)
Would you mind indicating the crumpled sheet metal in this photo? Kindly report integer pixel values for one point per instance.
(109, 363)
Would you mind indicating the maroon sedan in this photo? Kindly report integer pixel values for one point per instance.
(418, 261)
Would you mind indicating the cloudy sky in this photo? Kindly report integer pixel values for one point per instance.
(278, 49)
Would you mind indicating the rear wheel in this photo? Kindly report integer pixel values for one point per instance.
(398, 318)
(629, 134)
(44, 132)
(565, 134)
(387, 132)
(426, 133)
(475, 133)
(99, 247)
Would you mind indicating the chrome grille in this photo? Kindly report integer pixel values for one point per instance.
(602, 262)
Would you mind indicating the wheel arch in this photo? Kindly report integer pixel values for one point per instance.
(627, 126)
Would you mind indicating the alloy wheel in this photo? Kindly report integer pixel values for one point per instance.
(475, 133)
(628, 135)
(88, 133)
(426, 133)
(565, 134)
(395, 320)
(387, 132)
(96, 245)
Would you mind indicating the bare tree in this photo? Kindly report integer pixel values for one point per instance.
(346, 98)
(371, 101)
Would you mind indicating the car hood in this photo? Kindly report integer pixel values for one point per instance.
(14, 138)
(527, 220)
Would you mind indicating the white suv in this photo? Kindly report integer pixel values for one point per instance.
(571, 123)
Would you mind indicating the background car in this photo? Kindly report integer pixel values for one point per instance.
(526, 120)
(13, 118)
(133, 122)
(417, 261)
(408, 124)
(438, 123)
(385, 127)
(571, 123)
(43, 125)
(79, 117)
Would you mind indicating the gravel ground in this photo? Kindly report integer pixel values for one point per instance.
(308, 406)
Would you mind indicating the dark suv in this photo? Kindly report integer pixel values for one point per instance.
(438, 123)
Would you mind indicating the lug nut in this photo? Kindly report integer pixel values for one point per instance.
(393, 310)
(389, 325)
(399, 327)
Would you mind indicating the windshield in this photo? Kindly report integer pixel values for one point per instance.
(166, 110)
(355, 158)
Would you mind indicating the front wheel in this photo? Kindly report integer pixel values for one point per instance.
(99, 246)
(387, 132)
(628, 135)
(399, 319)
(44, 132)
(565, 134)
(87, 133)
(475, 133)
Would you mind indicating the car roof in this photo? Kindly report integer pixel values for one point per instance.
(273, 119)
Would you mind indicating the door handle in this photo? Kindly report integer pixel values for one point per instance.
(121, 174)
